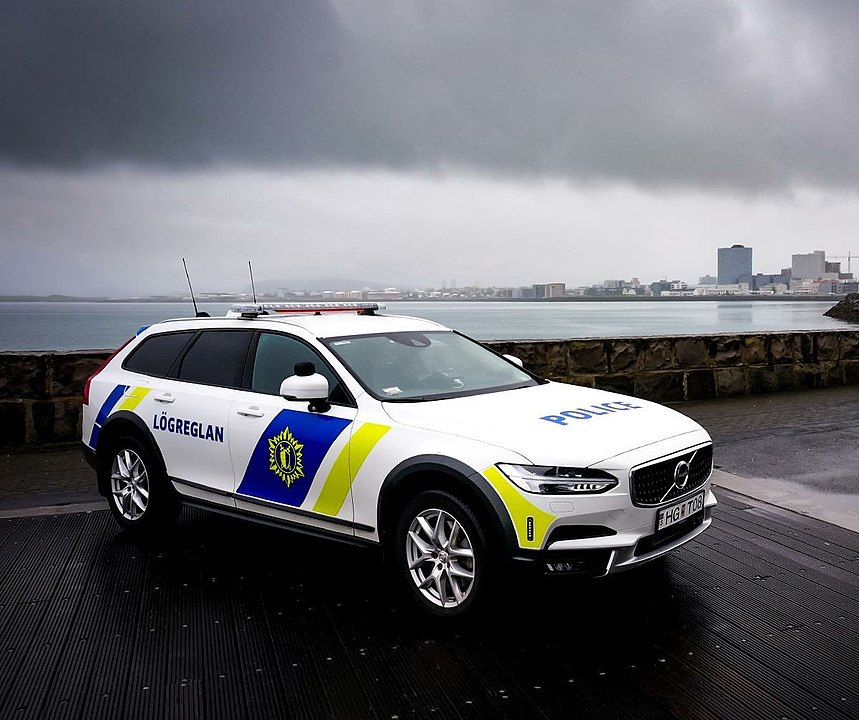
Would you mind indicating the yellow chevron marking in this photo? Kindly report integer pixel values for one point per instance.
(520, 510)
(133, 398)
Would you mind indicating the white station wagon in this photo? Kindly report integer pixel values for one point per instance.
(340, 421)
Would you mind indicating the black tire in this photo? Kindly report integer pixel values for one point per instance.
(138, 493)
(440, 584)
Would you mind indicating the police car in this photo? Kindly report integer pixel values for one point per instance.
(341, 421)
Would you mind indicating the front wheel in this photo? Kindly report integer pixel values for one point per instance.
(441, 554)
(139, 496)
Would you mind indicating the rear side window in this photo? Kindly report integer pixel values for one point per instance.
(156, 354)
(217, 357)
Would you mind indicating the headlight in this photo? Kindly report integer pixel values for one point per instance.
(553, 480)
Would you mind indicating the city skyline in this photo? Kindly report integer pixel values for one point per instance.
(820, 266)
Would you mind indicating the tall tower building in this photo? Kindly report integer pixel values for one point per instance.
(734, 262)
(808, 266)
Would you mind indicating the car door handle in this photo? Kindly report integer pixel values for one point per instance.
(165, 398)
(252, 411)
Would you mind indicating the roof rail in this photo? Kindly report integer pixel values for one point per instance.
(310, 308)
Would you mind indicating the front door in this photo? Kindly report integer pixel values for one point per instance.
(286, 459)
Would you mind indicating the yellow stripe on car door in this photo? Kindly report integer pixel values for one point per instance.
(346, 467)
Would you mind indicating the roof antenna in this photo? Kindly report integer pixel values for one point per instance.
(197, 313)
(253, 289)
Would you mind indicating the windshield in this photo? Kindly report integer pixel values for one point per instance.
(426, 366)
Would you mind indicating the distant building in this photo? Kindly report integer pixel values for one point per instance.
(763, 280)
(386, 294)
(828, 287)
(800, 286)
(657, 288)
(734, 262)
(808, 266)
(550, 290)
(720, 289)
(708, 280)
(678, 288)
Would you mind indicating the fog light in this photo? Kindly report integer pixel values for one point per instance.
(560, 567)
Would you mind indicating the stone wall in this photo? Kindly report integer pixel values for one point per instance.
(41, 392)
(669, 369)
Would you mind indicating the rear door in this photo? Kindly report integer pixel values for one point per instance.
(191, 411)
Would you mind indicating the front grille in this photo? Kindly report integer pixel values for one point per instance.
(654, 484)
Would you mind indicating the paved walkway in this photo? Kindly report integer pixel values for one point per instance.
(48, 481)
(797, 450)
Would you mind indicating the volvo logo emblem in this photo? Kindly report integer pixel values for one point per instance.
(681, 474)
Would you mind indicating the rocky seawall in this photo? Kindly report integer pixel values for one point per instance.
(846, 309)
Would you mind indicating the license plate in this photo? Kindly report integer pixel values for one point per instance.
(678, 512)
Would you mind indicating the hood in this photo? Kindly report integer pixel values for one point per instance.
(550, 424)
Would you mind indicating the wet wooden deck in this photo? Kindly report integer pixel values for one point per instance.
(758, 618)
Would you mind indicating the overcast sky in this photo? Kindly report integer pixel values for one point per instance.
(417, 143)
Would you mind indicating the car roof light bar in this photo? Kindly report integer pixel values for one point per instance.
(311, 308)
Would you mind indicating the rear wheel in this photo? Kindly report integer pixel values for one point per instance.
(441, 554)
(139, 495)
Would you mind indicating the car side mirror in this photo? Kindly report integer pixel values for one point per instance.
(310, 386)
(515, 360)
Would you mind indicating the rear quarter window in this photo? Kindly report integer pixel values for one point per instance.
(156, 354)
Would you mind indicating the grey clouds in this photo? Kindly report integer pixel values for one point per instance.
(504, 142)
(739, 97)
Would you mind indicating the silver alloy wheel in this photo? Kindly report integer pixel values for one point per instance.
(129, 484)
(440, 557)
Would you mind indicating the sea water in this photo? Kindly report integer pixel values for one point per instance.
(106, 325)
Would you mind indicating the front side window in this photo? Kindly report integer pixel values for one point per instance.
(275, 360)
(217, 357)
(426, 366)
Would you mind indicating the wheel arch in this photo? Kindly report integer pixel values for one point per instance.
(438, 472)
(120, 424)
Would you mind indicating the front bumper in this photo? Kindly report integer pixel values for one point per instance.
(612, 553)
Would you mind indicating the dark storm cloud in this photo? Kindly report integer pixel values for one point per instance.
(745, 95)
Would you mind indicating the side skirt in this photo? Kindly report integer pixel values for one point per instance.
(281, 523)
